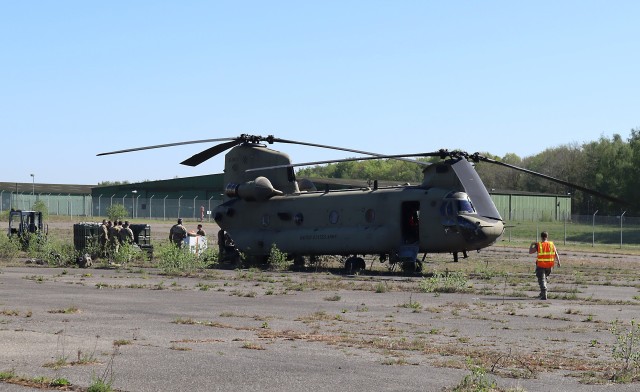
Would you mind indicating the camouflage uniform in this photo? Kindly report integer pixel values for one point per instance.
(103, 237)
(126, 234)
(114, 237)
(177, 233)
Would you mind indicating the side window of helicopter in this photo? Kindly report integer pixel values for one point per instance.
(446, 209)
(334, 217)
(266, 219)
(447, 213)
(298, 218)
(370, 215)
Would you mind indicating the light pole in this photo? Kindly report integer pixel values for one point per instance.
(33, 182)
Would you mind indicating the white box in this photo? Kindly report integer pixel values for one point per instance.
(197, 243)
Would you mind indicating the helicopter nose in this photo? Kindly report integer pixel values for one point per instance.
(493, 230)
(480, 231)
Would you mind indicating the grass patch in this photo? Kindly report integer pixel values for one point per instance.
(69, 310)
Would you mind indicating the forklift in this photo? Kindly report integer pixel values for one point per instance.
(24, 223)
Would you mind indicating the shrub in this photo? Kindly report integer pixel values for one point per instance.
(117, 212)
(9, 248)
(40, 205)
(450, 282)
(277, 259)
(172, 260)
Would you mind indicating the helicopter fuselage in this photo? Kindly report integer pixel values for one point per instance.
(382, 221)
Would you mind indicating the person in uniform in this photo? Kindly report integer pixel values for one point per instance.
(200, 231)
(126, 234)
(103, 237)
(177, 233)
(114, 237)
(221, 243)
(547, 255)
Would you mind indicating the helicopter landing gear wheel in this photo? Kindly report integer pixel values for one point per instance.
(412, 266)
(353, 265)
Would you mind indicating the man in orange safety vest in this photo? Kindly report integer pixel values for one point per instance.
(547, 255)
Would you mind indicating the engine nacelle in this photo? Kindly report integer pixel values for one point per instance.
(259, 190)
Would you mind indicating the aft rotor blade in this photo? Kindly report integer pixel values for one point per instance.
(200, 157)
(559, 181)
(164, 145)
(474, 187)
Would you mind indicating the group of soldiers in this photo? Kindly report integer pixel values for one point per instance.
(114, 234)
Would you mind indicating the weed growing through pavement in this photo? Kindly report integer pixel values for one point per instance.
(174, 261)
(334, 297)
(104, 383)
(478, 381)
(626, 351)
(381, 287)
(416, 306)
(35, 382)
(448, 282)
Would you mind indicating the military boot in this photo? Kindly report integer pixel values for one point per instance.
(543, 294)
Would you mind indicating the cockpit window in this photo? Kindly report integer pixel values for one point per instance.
(456, 203)
(446, 209)
(465, 206)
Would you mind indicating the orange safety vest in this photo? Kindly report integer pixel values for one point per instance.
(546, 254)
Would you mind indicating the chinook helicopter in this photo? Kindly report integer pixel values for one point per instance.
(265, 205)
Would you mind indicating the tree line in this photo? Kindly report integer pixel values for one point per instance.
(607, 165)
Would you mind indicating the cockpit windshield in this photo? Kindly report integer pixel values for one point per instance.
(465, 206)
(457, 203)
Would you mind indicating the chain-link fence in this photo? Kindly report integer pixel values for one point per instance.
(620, 230)
(157, 207)
(87, 206)
(57, 204)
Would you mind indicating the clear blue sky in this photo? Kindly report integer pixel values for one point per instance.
(82, 77)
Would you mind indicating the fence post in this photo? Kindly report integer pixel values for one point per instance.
(621, 215)
(565, 227)
(209, 215)
(194, 207)
(150, 200)
(164, 208)
(593, 229)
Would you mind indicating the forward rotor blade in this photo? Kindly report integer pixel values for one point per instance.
(200, 157)
(474, 187)
(557, 180)
(328, 147)
(165, 145)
